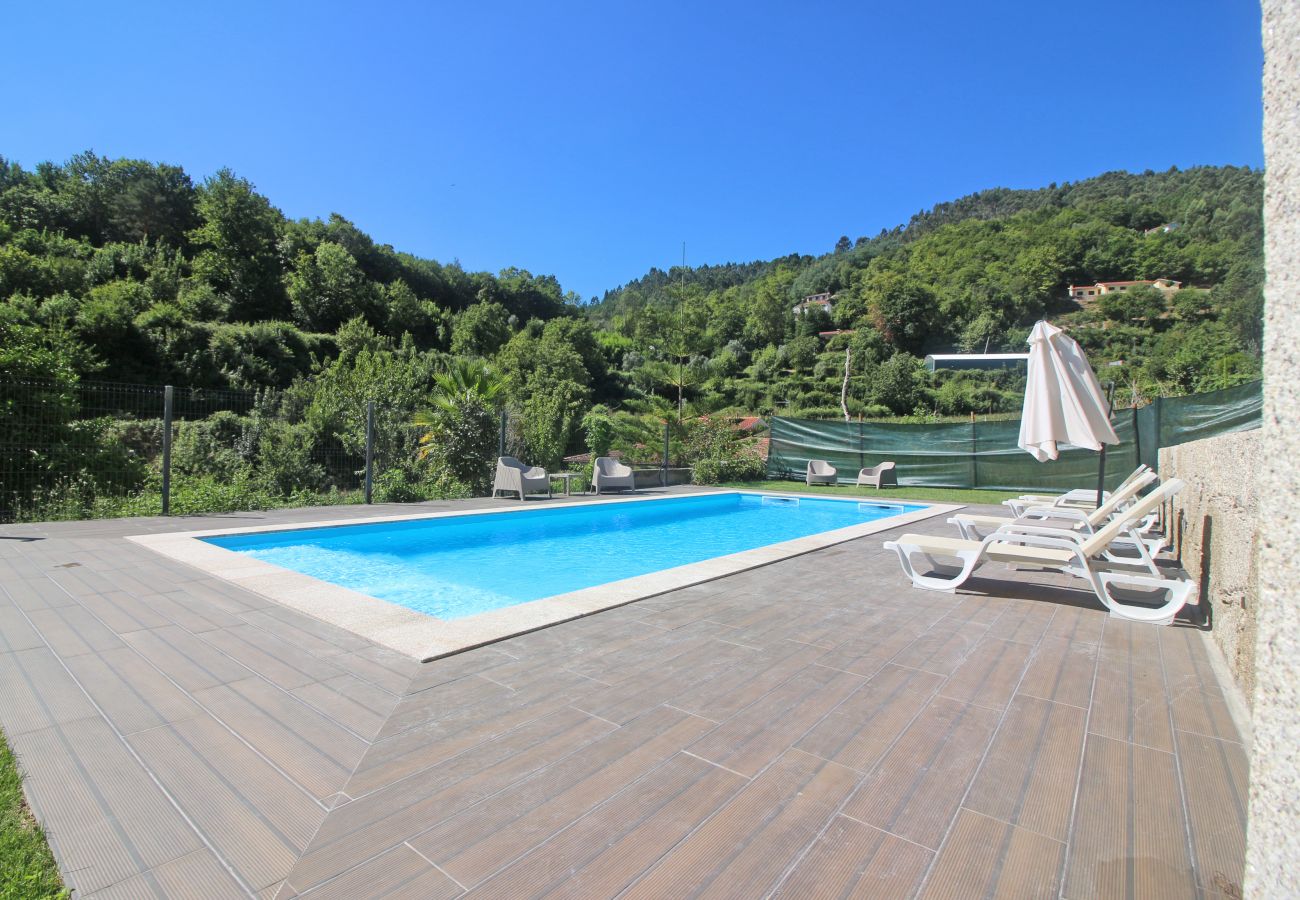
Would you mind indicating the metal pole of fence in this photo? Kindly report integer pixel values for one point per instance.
(167, 451)
(974, 453)
(663, 473)
(501, 437)
(370, 448)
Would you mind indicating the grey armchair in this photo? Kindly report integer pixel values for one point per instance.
(881, 476)
(608, 473)
(516, 478)
(821, 472)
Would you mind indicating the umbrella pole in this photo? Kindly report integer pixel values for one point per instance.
(1101, 457)
(1101, 474)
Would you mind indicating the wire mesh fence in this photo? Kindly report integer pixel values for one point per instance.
(96, 449)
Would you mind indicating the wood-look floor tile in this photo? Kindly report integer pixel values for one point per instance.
(941, 649)
(475, 844)
(112, 820)
(859, 731)
(751, 677)
(184, 658)
(38, 692)
(603, 852)
(1128, 835)
(772, 724)
(255, 817)
(1214, 775)
(985, 857)
(399, 874)
(916, 789)
(989, 674)
(853, 860)
(1073, 623)
(131, 693)
(195, 876)
(366, 827)
(1030, 772)
(1061, 671)
(316, 752)
(1130, 702)
(745, 849)
(355, 704)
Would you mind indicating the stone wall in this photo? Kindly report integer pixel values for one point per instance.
(1215, 532)
(1273, 841)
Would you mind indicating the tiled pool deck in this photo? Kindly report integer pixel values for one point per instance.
(812, 728)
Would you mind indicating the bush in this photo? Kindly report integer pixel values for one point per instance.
(718, 452)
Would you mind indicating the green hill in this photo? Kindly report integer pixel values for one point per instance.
(128, 271)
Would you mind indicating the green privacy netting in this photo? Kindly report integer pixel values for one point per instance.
(985, 455)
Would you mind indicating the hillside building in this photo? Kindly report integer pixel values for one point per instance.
(1086, 293)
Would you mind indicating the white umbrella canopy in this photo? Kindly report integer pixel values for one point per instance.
(1064, 403)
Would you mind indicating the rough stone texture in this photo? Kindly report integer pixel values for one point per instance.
(1274, 842)
(1216, 535)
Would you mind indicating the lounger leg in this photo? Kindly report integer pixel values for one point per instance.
(1179, 595)
(970, 560)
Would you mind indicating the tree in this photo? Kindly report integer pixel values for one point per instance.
(1139, 303)
(843, 245)
(896, 383)
(237, 247)
(480, 330)
(905, 310)
(462, 436)
(328, 287)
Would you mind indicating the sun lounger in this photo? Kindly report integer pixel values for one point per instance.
(879, 476)
(977, 527)
(1117, 587)
(516, 478)
(821, 472)
(608, 473)
(1080, 498)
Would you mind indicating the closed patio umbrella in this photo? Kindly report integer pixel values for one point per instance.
(1064, 403)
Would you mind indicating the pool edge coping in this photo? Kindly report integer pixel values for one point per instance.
(422, 637)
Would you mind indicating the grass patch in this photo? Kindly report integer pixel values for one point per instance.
(27, 868)
(940, 495)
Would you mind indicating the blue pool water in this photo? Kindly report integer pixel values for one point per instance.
(461, 565)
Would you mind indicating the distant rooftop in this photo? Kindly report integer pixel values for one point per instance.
(974, 360)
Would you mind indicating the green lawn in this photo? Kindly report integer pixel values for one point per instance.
(941, 495)
(27, 869)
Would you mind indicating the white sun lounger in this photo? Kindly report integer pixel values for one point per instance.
(1068, 551)
(977, 527)
(1083, 498)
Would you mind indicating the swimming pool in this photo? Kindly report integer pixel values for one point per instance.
(457, 566)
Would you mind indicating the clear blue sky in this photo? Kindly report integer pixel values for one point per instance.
(589, 140)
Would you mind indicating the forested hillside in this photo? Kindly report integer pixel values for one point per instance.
(128, 271)
(973, 275)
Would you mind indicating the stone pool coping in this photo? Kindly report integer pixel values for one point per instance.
(424, 637)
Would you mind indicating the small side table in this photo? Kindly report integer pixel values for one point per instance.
(567, 478)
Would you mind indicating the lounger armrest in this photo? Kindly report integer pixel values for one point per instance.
(1054, 512)
(1065, 539)
(1039, 537)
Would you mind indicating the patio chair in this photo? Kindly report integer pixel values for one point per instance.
(1065, 550)
(517, 478)
(977, 527)
(821, 472)
(881, 476)
(609, 473)
(1081, 498)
